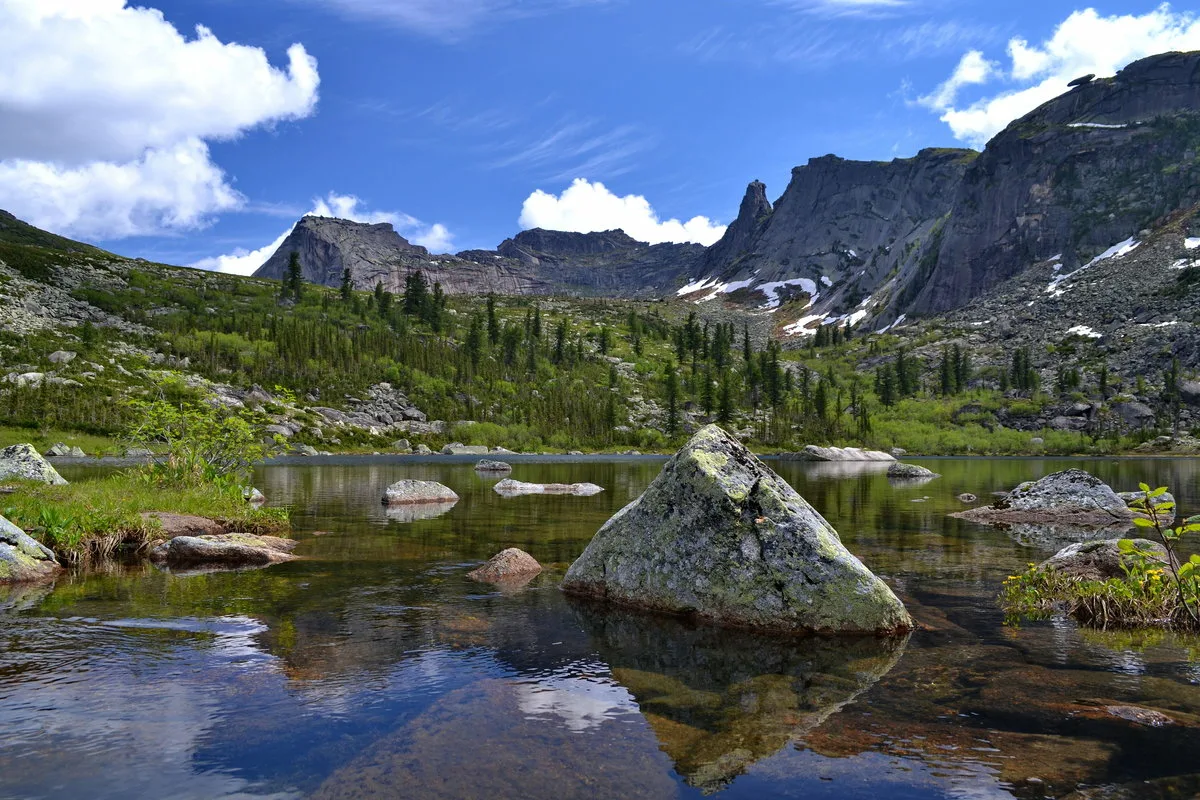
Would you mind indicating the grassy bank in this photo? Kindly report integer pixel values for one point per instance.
(100, 518)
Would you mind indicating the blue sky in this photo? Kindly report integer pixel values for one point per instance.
(453, 112)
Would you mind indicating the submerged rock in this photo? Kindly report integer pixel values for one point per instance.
(1069, 497)
(22, 558)
(719, 535)
(511, 565)
(409, 492)
(23, 462)
(510, 488)
(910, 472)
(814, 453)
(223, 550)
(487, 465)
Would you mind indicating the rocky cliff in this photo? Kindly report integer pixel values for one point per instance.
(533, 262)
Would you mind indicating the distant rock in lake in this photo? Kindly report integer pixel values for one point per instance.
(508, 566)
(412, 492)
(511, 488)
(1071, 497)
(720, 536)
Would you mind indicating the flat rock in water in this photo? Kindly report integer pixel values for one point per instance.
(184, 524)
(509, 565)
(24, 463)
(487, 465)
(1098, 560)
(1071, 496)
(22, 558)
(408, 492)
(223, 550)
(721, 536)
(814, 453)
(910, 472)
(511, 488)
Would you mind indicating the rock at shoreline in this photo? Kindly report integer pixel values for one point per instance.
(184, 524)
(510, 488)
(814, 453)
(508, 566)
(23, 462)
(1071, 497)
(457, 449)
(22, 558)
(253, 496)
(410, 492)
(487, 465)
(1098, 560)
(59, 450)
(422, 450)
(223, 550)
(719, 535)
(910, 472)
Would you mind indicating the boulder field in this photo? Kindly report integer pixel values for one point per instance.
(720, 536)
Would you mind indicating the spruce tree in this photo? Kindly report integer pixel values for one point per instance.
(493, 323)
(671, 379)
(347, 287)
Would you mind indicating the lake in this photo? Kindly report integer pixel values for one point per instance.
(373, 668)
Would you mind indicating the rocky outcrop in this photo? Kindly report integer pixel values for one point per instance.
(508, 566)
(22, 558)
(719, 535)
(1071, 497)
(23, 462)
(1098, 560)
(486, 465)
(510, 488)
(228, 550)
(910, 472)
(815, 453)
(412, 492)
(458, 449)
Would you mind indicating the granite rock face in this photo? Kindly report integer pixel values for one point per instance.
(23, 462)
(22, 558)
(720, 536)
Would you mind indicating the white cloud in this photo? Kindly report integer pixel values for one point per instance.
(1085, 42)
(437, 238)
(448, 19)
(587, 207)
(107, 110)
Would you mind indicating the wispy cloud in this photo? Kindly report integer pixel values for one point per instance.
(449, 20)
(846, 8)
(575, 148)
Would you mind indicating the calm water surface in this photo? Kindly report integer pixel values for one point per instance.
(374, 668)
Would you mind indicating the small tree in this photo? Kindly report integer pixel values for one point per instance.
(293, 281)
(671, 379)
(347, 287)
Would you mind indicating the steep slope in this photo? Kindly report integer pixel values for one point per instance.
(1086, 170)
(533, 262)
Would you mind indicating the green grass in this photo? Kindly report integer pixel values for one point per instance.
(95, 519)
(43, 439)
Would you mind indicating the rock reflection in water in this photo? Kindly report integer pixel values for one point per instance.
(841, 469)
(1057, 536)
(720, 700)
(414, 512)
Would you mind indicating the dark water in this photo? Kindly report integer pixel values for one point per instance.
(373, 668)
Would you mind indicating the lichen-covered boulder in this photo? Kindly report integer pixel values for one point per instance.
(408, 492)
(223, 550)
(1099, 560)
(23, 462)
(487, 465)
(511, 565)
(1069, 497)
(22, 558)
(510, 488)
(910, 472)
(721, 536)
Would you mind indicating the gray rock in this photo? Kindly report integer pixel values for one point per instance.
(899, 471)
(898, 452)
(510, 488)
(407, 492)
(1135, 415)
(1071, 497)
(1099, 559)
(814, 453)
(458, 449)
(61, 357)
(231, 550)
(423, 450)
(719, 535)
(284, 431)
(402, 445)
(305, 450)
(507, 566)
(253, 496)
(77, 452)
(1189, 392)
(22, 558)
(487, 465)
(138, 452)
(23, 462)
(59, 450)
(967, 497)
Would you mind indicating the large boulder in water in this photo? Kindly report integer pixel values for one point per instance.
(852, 454)
(409, 492)
(231, 550)
(22, 558)
(719, 535)
(1072, 497)
(24, 463)
(510, 488)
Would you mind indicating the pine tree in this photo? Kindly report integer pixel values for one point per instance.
(293, 282)
(474, 343)
(671, 378)
(493, 324)
(347, 287)
(416, 294)
(725, 400)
